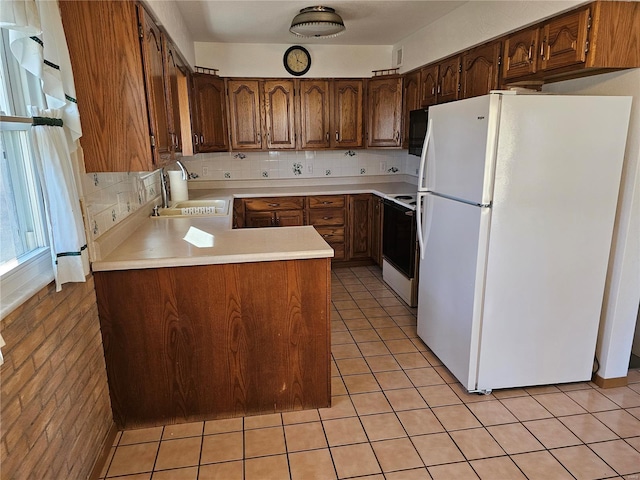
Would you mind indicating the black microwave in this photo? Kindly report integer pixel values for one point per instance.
(417, 130)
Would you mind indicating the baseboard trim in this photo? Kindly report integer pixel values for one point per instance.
(104, 454)
(609, 382)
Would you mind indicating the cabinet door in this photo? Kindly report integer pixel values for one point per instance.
(376, 230)
(384, 112)
(449, 80)
(314, 114)
(210, 113)
(411, 98)
(159, 119)
(279, 114)
(564, 41)
(259, 219)
(347, 113)
(521, 53)
(244, 114)
(289, 218)
(429, 85)
(480, 68)
(360, 216)
(115, 124)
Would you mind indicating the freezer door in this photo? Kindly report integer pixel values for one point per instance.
(461, 151)
(451, 283)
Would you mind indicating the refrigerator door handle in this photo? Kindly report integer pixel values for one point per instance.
(423, 158)
(423, 236)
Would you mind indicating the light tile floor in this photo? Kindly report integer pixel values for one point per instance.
(398, 414)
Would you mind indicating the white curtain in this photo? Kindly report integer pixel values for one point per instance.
(38, 43)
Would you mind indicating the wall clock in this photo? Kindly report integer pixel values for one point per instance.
(297, 60)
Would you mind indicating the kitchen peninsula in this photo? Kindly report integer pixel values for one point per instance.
(236, 329)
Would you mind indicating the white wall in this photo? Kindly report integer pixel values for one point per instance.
(473, 23)
(169, 16)
(622, 291)
(265, 60)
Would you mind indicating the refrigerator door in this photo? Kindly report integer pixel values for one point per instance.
(450, 287)
(461, 148)
(558, 170)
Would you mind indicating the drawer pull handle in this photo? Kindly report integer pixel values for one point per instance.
(327, 218)
(327, 202)
(274, 204)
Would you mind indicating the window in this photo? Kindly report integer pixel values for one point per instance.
(25, 264)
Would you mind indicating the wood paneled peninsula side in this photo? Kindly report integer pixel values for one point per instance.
(236, 329)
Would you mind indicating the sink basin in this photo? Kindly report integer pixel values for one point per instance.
(201, 208)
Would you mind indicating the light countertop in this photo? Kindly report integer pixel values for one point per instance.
(158, 242)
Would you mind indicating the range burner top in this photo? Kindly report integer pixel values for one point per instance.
(406, 200)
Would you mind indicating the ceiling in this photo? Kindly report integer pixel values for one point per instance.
(264, 21)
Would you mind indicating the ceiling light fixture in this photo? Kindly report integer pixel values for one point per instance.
(317, 22)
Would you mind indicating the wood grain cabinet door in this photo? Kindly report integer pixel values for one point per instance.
(564, 41)
(314, 114)
(245, 118)
(480, 70)
(521, 54)
(449, 80)
(429, 85)
(384, 115)
(153, 59)
(279, 114)
(411, 99)
(289, 218)
(110, 86)
(346, 121)
(210, 113)
(360, 219)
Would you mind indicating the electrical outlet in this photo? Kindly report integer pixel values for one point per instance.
(205, 171)
(383, 167)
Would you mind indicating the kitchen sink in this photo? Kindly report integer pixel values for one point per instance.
(191, 208)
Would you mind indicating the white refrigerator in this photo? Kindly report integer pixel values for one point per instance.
(519, 198)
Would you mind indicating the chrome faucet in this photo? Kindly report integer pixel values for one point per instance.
(185, 173)
(164, 191)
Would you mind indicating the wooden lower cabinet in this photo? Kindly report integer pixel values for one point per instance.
(376, 230)
(188, 344)
(273, 212)
(327, 214)
(360, 220)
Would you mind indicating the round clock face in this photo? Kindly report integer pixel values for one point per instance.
(297, 60)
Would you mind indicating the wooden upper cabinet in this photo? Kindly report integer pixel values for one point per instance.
(449, 80)
(384, 114)
(411, 97)
(314, 114)
(564, 40)
(591, 39)
(110, 85)
(429, 85)
(210, 113)
(521, 53)
(279, 114)
(480, 70)
(347, 118)
(156, 87)
(245, 123)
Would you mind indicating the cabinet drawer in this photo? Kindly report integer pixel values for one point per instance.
(273, 203)
(326, 201)
(331, 235)
(326, 216)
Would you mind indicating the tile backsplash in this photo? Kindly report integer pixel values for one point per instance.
(109, 198)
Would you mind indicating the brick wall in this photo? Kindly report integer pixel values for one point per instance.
(55, 408)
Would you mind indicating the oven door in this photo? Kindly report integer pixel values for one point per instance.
(399, 237)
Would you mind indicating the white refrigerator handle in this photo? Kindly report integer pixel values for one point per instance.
(421, 239)
(423, 157)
